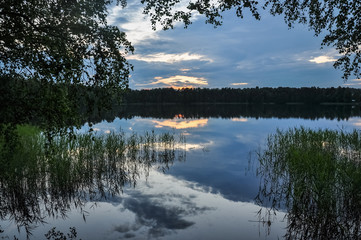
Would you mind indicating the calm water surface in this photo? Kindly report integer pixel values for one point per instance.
(209, 194)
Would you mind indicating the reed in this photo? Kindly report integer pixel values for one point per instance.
(42, 178)
(315, 176)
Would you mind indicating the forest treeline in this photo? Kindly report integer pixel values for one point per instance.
(57, 105)
(280, 95)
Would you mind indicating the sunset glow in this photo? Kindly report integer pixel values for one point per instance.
(239, 84)
(322, 59)
(177, 82)
(239, 120)
(180, 124)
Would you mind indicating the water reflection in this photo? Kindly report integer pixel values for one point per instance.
(355, 122)
(178, 123)
(207, 197)
(239, 119)
(160, 217)
(170, 208)
(235, 111)
(316, 177)
(41, 178)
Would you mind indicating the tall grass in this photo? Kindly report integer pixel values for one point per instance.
(41, 178)
(315, 175)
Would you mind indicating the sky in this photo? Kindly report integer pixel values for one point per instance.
(242, 53)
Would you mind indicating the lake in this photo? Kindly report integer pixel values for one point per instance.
(207, 191)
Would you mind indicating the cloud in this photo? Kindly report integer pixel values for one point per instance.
(285, 60)
(159, 218)
(322, 59)
(137, 25)
(269, 62)
(247, 65)
(133, 22)
(178, 81)
(247, 139)
(169, 57)
(355, 122)
(353, 83)
(239, 84)
(156, 215)
(239, 120)
(181, 124)
(293, 53)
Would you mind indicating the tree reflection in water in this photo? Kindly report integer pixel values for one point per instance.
(41, 178)
(315, 176)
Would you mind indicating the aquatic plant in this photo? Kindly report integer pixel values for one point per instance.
(42, 178)
(315, 176)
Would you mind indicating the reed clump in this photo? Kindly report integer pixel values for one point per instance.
(315, 176)
(42, 177)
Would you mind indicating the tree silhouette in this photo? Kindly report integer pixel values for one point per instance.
(66, 41)
(46, 47)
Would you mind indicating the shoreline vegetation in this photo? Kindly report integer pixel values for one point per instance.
(16, 91)
(42, 179)
(235, 103)
(55, 105)
(313, 175)
(266, 95)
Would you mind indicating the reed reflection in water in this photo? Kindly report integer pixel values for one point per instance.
(315, 176)
(41, 178)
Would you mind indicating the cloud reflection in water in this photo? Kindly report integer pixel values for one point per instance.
(179, 209)
(180, 123)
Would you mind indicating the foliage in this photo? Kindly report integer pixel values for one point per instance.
(53, 106)
(50, 51)
(63, 41)
(338, 20)
(315, 176)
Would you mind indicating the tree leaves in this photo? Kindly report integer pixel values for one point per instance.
(63, 41)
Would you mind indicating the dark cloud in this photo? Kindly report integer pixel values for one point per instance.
(161, 219)
(129, 235)
(149, 212)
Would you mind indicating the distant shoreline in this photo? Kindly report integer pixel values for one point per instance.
(239, 103)
(281, 95)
